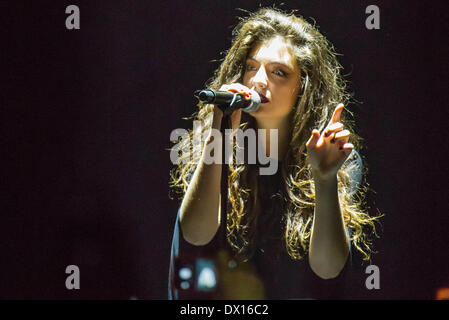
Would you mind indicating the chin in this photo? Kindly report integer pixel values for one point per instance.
(262, 111)
(258, 114)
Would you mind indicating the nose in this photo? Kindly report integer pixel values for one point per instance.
(260, 79)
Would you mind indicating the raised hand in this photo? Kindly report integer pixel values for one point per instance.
(328, 151)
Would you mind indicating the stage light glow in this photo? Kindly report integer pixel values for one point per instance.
(185, 273)
(185, 285)
(206, 279)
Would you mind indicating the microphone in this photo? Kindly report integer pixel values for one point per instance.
(230, 101)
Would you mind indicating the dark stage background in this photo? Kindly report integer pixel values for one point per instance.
(86, 117)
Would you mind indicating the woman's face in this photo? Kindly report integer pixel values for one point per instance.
(272, 71)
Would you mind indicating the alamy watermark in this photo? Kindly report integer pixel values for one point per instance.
(213, 150)
(373, 20)
(73, 20)
(373, 280)
(73, 280)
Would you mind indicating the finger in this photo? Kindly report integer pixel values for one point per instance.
(238, 90)
(341, 137)
(313, 139)
(347, 147)
(335, 127)
(233, 86)
(241, 89)
(341, 141)
(342, 134)
(238, 87)
(337, 113)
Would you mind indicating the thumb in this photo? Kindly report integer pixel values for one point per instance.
(313, 139)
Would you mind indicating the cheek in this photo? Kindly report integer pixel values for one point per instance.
(294, 92)
(288, 98)
(294, 95)
(246, 80)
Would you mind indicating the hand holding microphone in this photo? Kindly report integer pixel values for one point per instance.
(231, 97)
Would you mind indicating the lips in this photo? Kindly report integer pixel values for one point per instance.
(263, 99)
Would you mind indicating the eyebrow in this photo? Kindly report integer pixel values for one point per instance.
(273, 62)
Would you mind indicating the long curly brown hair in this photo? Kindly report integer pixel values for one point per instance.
(322, 88)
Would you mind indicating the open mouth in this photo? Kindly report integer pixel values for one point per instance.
(263, 99)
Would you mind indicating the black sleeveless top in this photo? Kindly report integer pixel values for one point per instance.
(213, 272)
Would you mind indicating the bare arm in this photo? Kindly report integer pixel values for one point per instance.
(200, 208)
(199, 213)
(329, 245)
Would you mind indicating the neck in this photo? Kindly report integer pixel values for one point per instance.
(283, 125)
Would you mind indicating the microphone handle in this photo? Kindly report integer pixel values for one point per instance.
(211, 96)
(229, 101)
